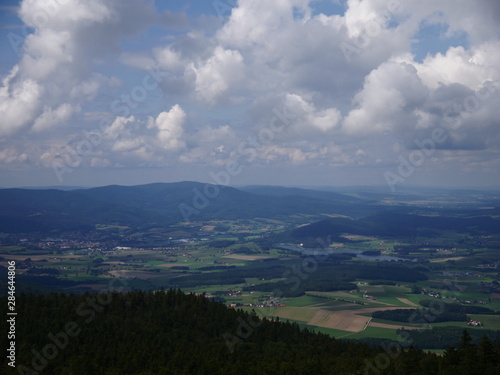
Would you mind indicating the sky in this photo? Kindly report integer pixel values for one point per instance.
(284, 92)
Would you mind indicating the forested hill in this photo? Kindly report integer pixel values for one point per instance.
(164, 204)
(148, 333)
(390, 225)
(160, 204)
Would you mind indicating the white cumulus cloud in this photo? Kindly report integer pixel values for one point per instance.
(170, 128)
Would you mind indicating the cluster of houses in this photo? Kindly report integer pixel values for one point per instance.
(463, 301)
(372, 298)
(474, 323)
(431, 293)
(260, 304)
(265, 303)
(493, 265)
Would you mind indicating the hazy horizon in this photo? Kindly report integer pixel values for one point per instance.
(381, 188)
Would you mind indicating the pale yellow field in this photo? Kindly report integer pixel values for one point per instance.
(169, 264)
(346, 320)
(343, 320)
(293, 313)
(208, 228)
(408, 302)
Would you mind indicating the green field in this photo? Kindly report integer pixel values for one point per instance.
(373, 332)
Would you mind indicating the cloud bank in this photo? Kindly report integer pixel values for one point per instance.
(363, 80)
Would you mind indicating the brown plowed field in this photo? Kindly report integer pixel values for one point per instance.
(346, 320)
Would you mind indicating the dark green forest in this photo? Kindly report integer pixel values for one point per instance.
(442, 337)
(456, 307)
(328, 275)
(169, 332)
(420, 315)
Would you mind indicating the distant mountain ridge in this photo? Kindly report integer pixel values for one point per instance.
(24, 210)
(293, 191)
(388, 225)
(164, 204)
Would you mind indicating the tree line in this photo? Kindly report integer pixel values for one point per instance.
(170, 332)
